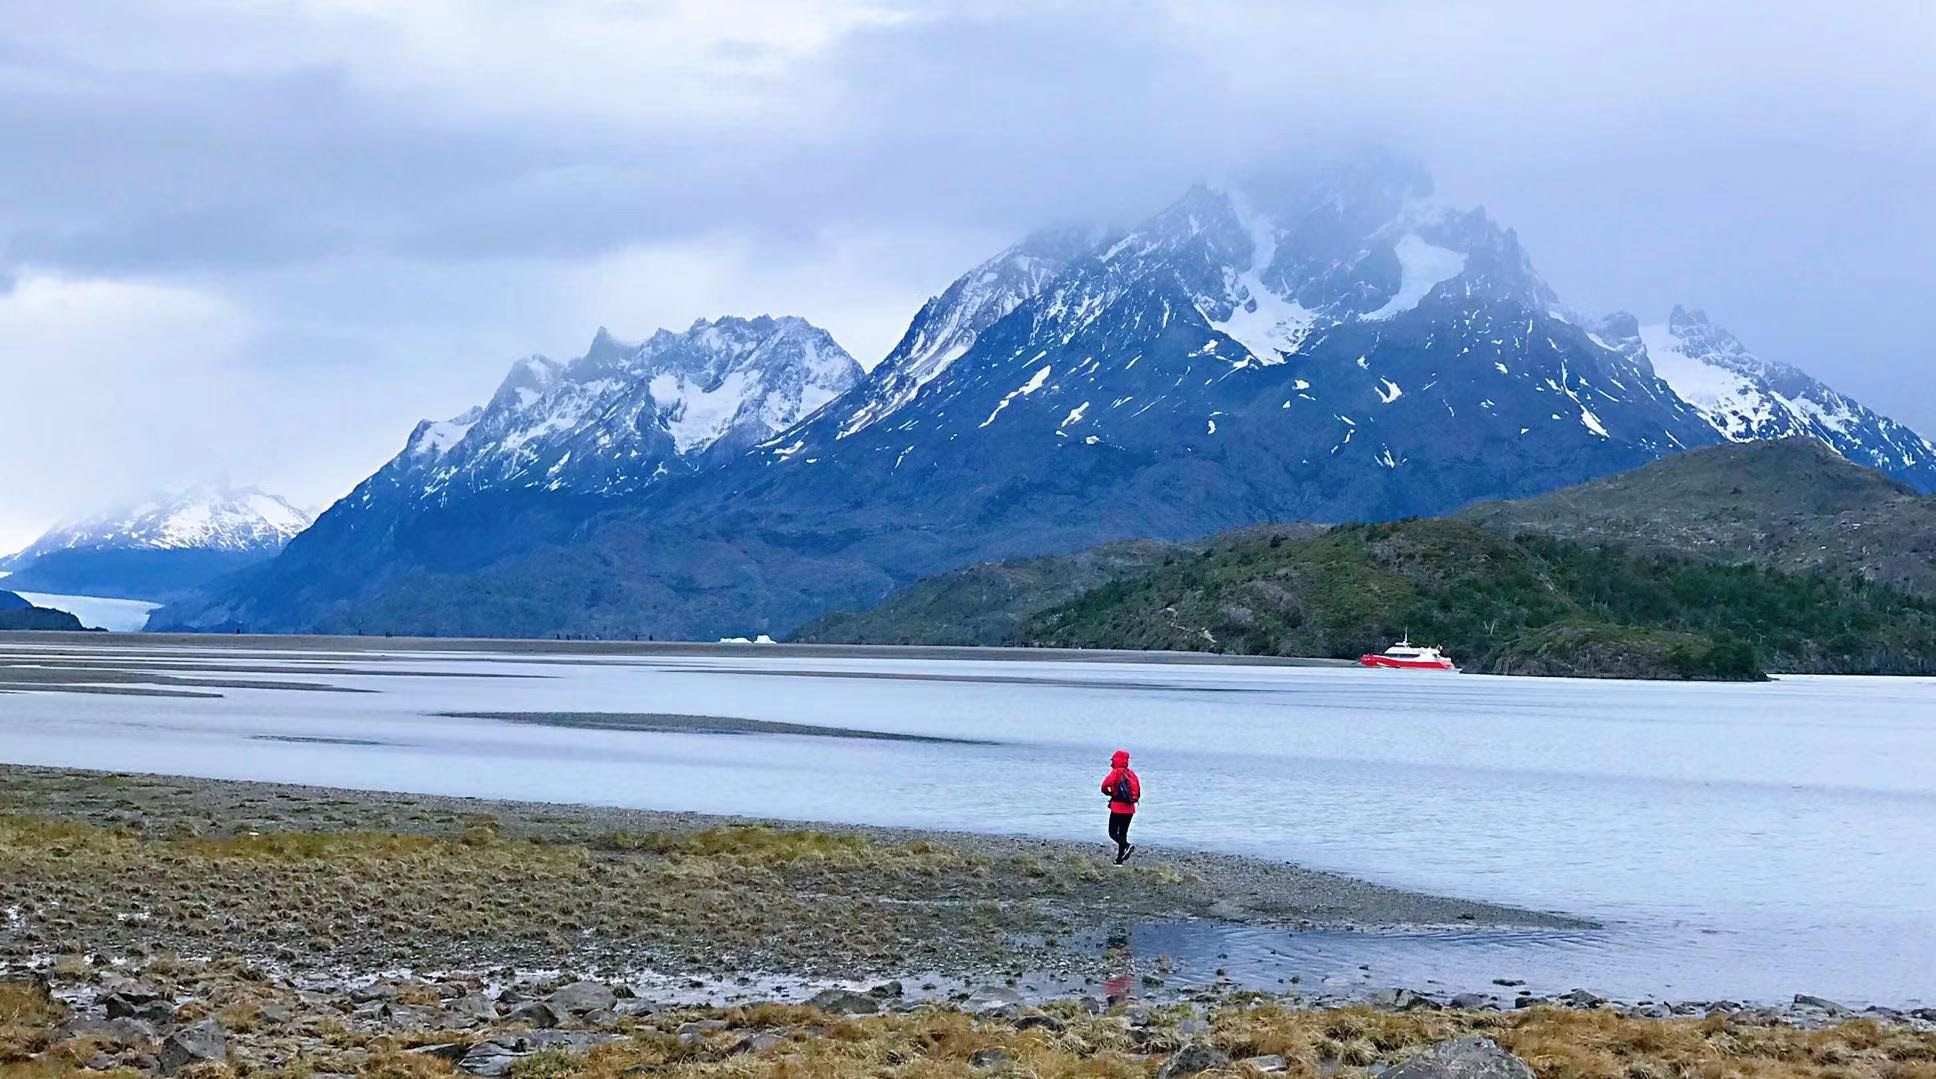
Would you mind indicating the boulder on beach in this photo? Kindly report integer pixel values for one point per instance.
(1466, 1058)
(844, 1002)
(197, 1043)
(581, 997)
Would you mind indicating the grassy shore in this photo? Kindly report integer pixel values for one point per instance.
(156, 925)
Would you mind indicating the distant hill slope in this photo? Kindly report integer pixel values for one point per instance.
(17, 613)
(1515, 586)
(1505, 605)
(983, 604)
(1793, 505)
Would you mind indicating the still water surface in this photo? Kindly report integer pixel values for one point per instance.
(1741, 841)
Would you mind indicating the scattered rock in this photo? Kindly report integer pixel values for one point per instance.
(1400, 1000)
(486, 1058)
(759, 1042)
(363, 994)
(120, 1033)
(1466, 1058)
(1472, 1002)
(581, 997)
(1192, 1028)
(1191, 1059)
(701, 1026)
(450, 1052)
(1269, 1064)
(1580, 998)
(535, 1012)
(1825, 1004)
(495, 1057)
(472, 1008)
(130, 989)
(990, 1058)
(1039, 1019)
(412, 1016)
(196, 1043)
(844, 1002)
(888, 991)
(990, 1001)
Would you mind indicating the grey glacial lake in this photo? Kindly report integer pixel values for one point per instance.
(1734, 841)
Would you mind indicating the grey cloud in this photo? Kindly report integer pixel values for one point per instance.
(1771, 170)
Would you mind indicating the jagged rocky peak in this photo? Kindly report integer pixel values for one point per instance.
(1746, 397)
(948, 324)
(623, 414)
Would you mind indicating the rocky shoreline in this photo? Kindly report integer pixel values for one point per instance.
(176, 926)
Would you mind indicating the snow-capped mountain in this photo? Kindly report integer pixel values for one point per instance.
(557, 443)
(202, 518)
(947, 325)
(159, 548)
(1747, 398)
(1328, 345)
(624, 415)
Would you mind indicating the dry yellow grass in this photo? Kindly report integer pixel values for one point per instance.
(1558, 1043)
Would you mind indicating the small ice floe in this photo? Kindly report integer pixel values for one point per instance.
(761, 639)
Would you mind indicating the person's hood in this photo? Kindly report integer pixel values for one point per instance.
(1120, 760)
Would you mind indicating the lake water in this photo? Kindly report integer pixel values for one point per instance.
(1739, 841)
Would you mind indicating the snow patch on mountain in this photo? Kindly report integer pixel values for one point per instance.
(1267, 325)
(1422, 267)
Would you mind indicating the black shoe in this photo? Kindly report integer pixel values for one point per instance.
(1124, 856)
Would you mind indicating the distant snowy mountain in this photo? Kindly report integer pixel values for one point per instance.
(559, 442)
(1331, 344)
(623, 416)
(202, 518)
(160, 548)
(1747, 398)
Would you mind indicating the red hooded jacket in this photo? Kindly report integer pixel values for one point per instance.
(1119, 767)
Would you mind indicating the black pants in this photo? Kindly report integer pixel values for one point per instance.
(1119, 828)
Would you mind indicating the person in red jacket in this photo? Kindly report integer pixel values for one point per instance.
(1123, 790)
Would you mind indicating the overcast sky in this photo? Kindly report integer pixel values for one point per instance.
(256, 241)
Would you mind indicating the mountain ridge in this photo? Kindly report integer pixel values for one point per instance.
(1334, 346)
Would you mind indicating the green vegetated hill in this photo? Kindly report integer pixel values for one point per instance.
(1501, 604)
(1718, 563)
(1792, 505)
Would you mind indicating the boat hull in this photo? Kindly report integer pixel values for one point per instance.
(1388, 663)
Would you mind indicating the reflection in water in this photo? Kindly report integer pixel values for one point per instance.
(1121, 984)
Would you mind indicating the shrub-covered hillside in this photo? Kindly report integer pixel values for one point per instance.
(1505, 604)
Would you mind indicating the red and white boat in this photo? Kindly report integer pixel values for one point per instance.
(1406, 656)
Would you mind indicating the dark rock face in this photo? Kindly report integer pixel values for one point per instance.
(1466, 1058)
